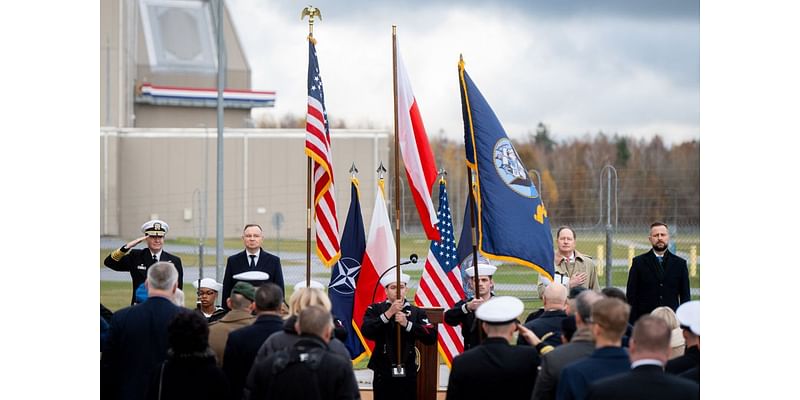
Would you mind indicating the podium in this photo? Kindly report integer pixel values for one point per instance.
(428, 374)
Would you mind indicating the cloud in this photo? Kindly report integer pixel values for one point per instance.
(618, 68)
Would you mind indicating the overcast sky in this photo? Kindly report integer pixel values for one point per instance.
(627, 67)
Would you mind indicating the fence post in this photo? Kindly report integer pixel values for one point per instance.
(693, 261)
(609, 255)
(601, 263)
(630, 256)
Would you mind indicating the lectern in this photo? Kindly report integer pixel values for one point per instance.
(428, 374)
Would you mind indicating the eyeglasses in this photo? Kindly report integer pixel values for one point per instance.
(208, 293)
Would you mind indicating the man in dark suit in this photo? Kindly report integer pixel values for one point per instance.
(650, 350)
(495, 369)
(136, 262)
(252, 258)
(138, 338)
(580, 347)
(609, 320)
(243, 343)
(658, 277)
(548, 325)
(380, 324)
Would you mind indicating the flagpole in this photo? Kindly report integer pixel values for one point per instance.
(473, 229)
(311, 12)
(400, 370)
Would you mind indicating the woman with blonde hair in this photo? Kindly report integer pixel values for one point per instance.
(677, 342)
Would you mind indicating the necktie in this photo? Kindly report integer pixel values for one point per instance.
(252, 261)
(155, 260)
(660, 265)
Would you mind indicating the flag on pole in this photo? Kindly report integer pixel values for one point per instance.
(342, 287)
(318, 147)
(441, 285)
(512, 221)
(417, 155)
(379, 256)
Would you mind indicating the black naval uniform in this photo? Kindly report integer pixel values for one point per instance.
(494, 370)
(384, 332)
(460, 314)
(137, 262)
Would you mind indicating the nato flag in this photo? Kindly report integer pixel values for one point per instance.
(344, 274)
(512, 221)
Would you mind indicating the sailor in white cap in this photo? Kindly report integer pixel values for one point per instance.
(381, 321)
(136, 261)
(207, 293)
(252, 258)
(689, 318)
(463, 312)
(510, 369)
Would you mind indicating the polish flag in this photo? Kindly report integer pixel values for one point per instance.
(417, 155)
(379, 256)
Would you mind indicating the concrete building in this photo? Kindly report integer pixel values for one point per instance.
(158, 137)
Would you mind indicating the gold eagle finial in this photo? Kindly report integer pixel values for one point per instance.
(312, 12)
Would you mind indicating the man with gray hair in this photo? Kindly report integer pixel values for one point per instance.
(138, 338)
(580, 347)
(308, 369)
(650, 350)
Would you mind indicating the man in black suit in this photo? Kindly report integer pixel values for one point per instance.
(650, 349)
(380, 324)
(496, 369)
(243, 343)
(548, 325)
(581, 346)
(252, 258)
(138, 338)
(658, 277)
(138, 261)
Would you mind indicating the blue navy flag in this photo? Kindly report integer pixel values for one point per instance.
(464, 249)
(342, 287)
(512, 221)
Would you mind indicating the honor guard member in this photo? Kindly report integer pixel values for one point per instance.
(380, 325)
(463, 312)
(207, 292)
(136, 261)
(495, 369)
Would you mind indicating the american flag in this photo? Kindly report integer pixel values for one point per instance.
(318, 147)
(440, 285)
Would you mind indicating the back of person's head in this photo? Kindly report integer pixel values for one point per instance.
(614, 292)
(305, 297)
(584, 302)
(611, 315)
(555, 295)
(269, 297)
(315, 320)
(162, 276)
(667, 315)
(651, 335)
(188, 333)
(239, 302)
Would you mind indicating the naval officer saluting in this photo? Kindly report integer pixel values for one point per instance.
(136, 261)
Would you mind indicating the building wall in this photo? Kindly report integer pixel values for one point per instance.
(164, 173)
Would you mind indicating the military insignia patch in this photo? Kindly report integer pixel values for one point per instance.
(510, 169)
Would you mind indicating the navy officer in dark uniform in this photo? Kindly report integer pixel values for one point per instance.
(463, 312)
(380, 325)
(496, 369)
(136, 261)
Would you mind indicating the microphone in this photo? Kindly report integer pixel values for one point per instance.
(412, 260)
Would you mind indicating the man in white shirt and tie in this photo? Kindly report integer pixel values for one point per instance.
(252, 258)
